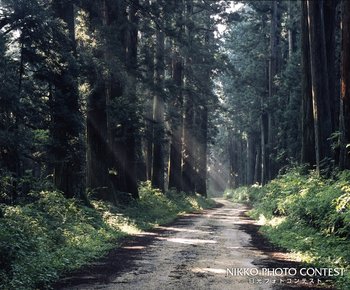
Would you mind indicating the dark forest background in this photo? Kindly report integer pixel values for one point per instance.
(99, 95)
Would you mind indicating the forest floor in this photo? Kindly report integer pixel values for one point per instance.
(194, 252)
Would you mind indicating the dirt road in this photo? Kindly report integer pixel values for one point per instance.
(198, 251)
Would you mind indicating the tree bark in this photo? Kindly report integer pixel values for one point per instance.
(273, 69)
(345, 87)
(233, 161)
(66, 129)
(308, 154)
(257, 169)
(201, 184)
(131, 127)
(158, 116)
(291, 30)
(329, 8)
(264, 149)
(175, 166)
(188, 161)
(149, 114)
(320, 84)
(251, 158)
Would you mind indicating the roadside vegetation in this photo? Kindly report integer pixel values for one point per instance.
(52, 235)
(305, 214)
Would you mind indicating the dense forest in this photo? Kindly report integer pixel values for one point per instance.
(286, 89)
(102, 99)
(99, 95)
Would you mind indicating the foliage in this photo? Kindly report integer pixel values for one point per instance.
(306, 214)
(240, 194)
(52, 235)
(256, 103)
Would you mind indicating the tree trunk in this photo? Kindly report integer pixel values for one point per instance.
(97, 161)
(251, 158)
(233, 161)
(273, 67)
(201, 185)
(257, 169)
(158, 116)
(188, 168)
(345, 87)
(149, 125)
(131, 127)
(291, 30)
(264, 131)
(188, 161)
(67, 128)
(264, 126)
(308, 154)
(176, 127)
(330, 39)
(320, 84)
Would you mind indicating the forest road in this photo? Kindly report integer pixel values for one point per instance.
(194, 252)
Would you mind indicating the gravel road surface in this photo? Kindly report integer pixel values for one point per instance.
(207, 250)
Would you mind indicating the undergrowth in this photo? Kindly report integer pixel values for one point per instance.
(53, 235)
(307, 215)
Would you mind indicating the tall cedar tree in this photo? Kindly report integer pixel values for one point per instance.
(97, 147)
(176, 107)
(67, 128)
(319, 80)
(158, 109)
(345, 86)
(308, 155)
(188, 159)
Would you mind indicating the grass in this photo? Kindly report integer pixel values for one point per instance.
(307, 215)
(53, 235)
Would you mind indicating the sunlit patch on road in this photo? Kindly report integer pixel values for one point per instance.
(184, 230)
(188, 241)
(209, 270)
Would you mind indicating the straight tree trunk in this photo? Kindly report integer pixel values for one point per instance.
(233, 161)
(264, 126)
(345, 87)
(149, 116)
(175, 180)
(158, 116)
(273, 67)
(131, 128)
(257, 173)
(251, 158)
(147, 46)
(97, 132)
(121, 41)
(329, 8)
(67, 128)
(308, 154)
(201, 184)
(176, 108)
(202, 113)
(320, 84)
(291, 30)
(188, 160)
(264, 131)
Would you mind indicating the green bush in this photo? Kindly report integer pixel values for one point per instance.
(307, 214)
(238, 195)
(52, 235)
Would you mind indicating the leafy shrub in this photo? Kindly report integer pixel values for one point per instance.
(239, 194)
(312, 214)
(51, 235)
